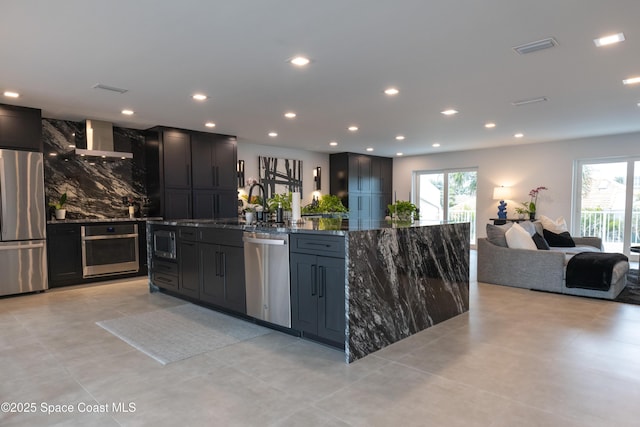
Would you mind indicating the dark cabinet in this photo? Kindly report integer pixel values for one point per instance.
(364, 184)
(317, 286)
(187, 255)
(193, 174)
(222, 269)
(20, 128)
(64, 254)
(177, 159)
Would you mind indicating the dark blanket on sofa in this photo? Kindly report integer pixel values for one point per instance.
(592, 270)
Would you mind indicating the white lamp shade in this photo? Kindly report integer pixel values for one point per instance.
(501, 193)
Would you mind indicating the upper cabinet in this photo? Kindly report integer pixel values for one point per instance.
(20, 128)
(192, 174)
(363, 183)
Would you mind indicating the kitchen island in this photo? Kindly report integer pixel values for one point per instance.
(398, 279)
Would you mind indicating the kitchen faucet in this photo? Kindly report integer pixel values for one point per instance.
(264, 198)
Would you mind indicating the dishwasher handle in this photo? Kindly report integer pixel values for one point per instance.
(260, 241)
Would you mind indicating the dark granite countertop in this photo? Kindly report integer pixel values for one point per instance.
(91, 220)
(334, 226)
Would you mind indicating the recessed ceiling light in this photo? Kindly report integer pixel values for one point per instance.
(518, 135)
(353, 128)
(631, 81)
(199, 97)
(333, 143)
(10, 94)
(300, 61)
(400, 137)
(449, 112)
(392, 91)
(127, 112)
(210, 124)
(638, 104)
(399, 154)
(369, 149)
(273, 134)
(290, 115)
(611, 39)
(490, 125)
(436, 145)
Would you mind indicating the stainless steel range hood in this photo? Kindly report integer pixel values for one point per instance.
(99, 136)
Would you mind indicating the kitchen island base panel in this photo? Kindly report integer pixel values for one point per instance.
(402, 281)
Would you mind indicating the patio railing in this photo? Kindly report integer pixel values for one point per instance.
(609, 226)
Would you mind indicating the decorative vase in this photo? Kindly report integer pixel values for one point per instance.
(248, 216)
(532, 216)
(61, 213)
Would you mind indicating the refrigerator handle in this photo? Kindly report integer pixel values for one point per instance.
(3, 195)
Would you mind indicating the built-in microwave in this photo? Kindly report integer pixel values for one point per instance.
(164, 244)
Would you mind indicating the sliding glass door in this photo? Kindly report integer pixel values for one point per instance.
(447, 195)
(608, 204)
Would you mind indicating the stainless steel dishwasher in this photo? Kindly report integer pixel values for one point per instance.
(266, 272)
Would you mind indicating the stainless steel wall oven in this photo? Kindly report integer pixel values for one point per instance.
(109, 249)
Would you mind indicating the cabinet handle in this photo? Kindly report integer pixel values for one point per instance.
(188, 175)
(223, 263)
(162, 279)
(314, 282)
(217, 261)
(213, 176)
(322, 281)
(217, 176)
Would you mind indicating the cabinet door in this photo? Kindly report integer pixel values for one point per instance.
(233, 273)
(177, 204)
(225, 164)
(304, 293)
(205, 204)
(227, 206)
(188, 269)
(177, 159)
(211, 282)
(202, 157)
(64, 254)
(360, 206)
(331, 305)
(20, 128)
(360, 173)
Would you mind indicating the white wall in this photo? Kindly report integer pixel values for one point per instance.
(310, 160)
(522, 167)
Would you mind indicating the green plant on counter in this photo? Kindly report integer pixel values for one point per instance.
(60, 203)
(284, 198)
(403, 210)
(326, 203)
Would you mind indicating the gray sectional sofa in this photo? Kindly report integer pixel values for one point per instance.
(542, 270)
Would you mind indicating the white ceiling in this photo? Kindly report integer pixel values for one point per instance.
(439, 54)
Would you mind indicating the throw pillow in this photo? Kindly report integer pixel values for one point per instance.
(528, 225)
(559, 240)
(558, 226)
(540, 242)
(495, 234)
(519, 238)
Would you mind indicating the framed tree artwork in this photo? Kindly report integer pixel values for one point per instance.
(280, 175)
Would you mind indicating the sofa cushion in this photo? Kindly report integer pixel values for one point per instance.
(519, 238)
(561, 240)
(495, 234)
(558, 226)
(528, 225)
(540, 242)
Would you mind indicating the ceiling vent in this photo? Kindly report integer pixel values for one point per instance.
(526, 48)
(529, 101)
(110, 88)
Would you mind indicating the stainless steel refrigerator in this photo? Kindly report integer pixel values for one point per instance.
(23, 251)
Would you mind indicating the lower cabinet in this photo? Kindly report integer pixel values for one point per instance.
(222, 276)
(64, 254)
(188, 269)
(317, 293)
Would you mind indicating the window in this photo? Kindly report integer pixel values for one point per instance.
(608, 202)
(456, 186)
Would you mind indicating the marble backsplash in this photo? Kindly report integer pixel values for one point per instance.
(95, 188)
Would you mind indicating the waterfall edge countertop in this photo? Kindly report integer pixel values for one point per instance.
(331, 226)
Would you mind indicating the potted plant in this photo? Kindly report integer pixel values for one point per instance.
(58, 206)
(327, 203)
(403, 210)
(530, 206)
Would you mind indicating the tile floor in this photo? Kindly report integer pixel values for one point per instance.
(518, 358)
